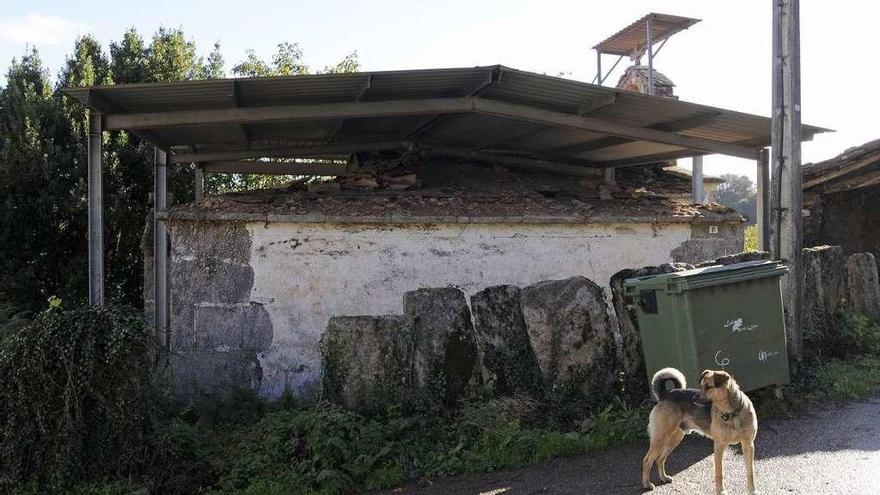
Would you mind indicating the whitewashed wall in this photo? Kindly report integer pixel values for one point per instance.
(306, 273)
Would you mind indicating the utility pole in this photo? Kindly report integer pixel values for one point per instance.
(786, 217)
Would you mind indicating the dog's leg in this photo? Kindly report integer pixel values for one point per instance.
(647, 463)
(671, 443)
(719, 468)
(657, 444)
(748, 447)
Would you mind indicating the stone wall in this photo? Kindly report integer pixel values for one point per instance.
(552, 341)
(250, 301)
(847, 219)
(218, 331)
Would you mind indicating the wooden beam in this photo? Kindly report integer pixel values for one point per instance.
(519, 162)
(254, 115)
(842, 171)
(273, 168)
(873, 181)
(289, 152)
(865, 178)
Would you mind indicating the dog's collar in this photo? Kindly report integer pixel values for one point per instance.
(727, 416)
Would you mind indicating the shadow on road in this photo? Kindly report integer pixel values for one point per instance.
(788, 444)
(831, 429)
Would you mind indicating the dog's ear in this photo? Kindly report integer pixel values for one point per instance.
(704, 373)
(722, 378)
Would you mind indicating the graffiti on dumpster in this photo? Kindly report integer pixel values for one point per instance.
(721, 361)
(763, 356)
(736, 325)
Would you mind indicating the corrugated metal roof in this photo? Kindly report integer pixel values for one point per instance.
(561, 138)
(633, 39)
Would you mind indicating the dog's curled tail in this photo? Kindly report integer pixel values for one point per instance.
(658, 383)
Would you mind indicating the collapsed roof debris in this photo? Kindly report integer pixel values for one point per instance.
(462, 191)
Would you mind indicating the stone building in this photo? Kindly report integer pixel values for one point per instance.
(504, 177)
(255, 277)
(840, 199)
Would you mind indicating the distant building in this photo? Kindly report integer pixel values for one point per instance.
(840, 199)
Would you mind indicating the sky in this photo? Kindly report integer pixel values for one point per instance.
(723, 61)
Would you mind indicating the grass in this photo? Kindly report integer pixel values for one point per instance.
(836, 380)
(750, 238)
(327, 450)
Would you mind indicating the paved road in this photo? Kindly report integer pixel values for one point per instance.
(829, 451)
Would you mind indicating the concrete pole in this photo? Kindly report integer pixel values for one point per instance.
(160, 246)
(697, 190)
(763, 197)
(96, 214)
(200, 183)
(786, 196)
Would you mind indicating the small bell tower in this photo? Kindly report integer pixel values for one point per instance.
(635, 41)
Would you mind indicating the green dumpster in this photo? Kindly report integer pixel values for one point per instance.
(718, 317)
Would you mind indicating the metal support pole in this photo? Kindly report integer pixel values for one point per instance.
(650, 58)
(160, 246)
(598, 67)
(699, 194)
(763, 197)
(200, 183)
(787, 220)
(609, 175)
(96, 215)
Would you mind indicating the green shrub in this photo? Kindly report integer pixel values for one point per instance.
(78, 402)
(854, 335)
(327, 450)
(750, 238)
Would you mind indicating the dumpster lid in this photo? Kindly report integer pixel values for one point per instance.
(706, 276)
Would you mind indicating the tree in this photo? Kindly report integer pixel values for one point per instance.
(42, 191)
(348, 64)
(215, 68)
(738, 192)
(43, 165)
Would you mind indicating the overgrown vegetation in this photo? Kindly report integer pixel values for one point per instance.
(84, 411)
(83, 408)
(78, 398)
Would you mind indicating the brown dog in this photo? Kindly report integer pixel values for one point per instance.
(718, 410)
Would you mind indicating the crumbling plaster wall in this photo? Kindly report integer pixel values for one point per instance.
(251, 300)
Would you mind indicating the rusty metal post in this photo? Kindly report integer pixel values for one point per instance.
(160, 246)
(763, 200)
(650, 57)
(96, 213)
